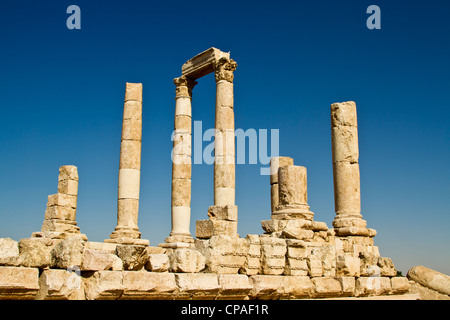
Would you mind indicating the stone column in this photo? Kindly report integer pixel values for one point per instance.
(275, 164)
(127, 231)
(60, 215)
(180, 235)
(292, 194)
(224, 144)
(345, 153)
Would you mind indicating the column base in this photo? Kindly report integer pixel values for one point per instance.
(355, 231)
(126, 235)
(125, 240)
(289, 212)
(58, 235)
(178, 241)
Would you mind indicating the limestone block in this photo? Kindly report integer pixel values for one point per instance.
(347, 265)
(181, 192)
(224, 95)
(275, 164)
(95, 260)
(314, 266)
(344, 143)
(148, 285)
(343, 114)
(223, 212)
(36, 252)
(348, 284)
(204, 229)
(387, 268)
(68, 173)
(318, 226)
(273, 225)
(326, 286)
(296, 267)
(203, 63)
(369, 264)
(372, 286)
(103, 285)
(347, 196)
(183, 106)
(183, 123)
(133, 91)
(252, 266)
(430, 278)
(60, 199)
(129, 183)
(68, 253)
(132, 129)
(18, 283)
(266, 286)
(346, 222)
(224, 175)
(132, 110)
(130, 154)
(181, 170)
(295, 287)
(69, 187)
(61, 227)
(9, 252)
(293, 232)
(103, 246)
(60, 213)
(274, 196)
(234, 286)
(134, 257)
(186, 260)
(273, 247)
(352, 231)
(197, 285)
(60, 285)
(292, 185)
(322, 261)
(127, 210)
(399, 285)
(158, 262)
(225, 117)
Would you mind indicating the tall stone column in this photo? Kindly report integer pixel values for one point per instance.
(127, 231)
(180, 235)
(345, 153)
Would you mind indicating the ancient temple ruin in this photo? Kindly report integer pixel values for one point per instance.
(294, 257)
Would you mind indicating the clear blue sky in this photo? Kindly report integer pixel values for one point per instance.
(62, 102)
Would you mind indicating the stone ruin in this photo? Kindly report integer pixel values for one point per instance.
(296, 257)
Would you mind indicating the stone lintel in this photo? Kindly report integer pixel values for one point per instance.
(203, 63)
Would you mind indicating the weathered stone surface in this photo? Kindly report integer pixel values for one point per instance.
(326, 286)
(234, 286)
(197, 285)
(348, 284)
(148, 285)
(372, 286)
(399, 285)
(347, 192)
(430, 278)
(9, 252)
(133, 91)
(60, 199)
(103, 285)
(186, 260)
(387, 268)
(68, 253)
(36, 252)
(60, 285)
(369, 264)
(95, 260)
(343, 114)
(69, 187)
(347, 265)
(158, 262)
(18, 283)
(133, 257)
(273, 252)
(275, 164)
(345, 144)
(292, 186)
(295, 287)
(322, 261)
(266, 286)
(292, 232)
(223, 213)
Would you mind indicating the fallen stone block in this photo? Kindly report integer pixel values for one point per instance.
(133, 257)
(36, 252)
(68, 253)
(186, 260)
(387, 268)
(18, 283)
(158, 262)
(399, 285)
(96, 260)
(347, 265)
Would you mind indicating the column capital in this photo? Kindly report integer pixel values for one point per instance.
(224, 68)
(184, 86)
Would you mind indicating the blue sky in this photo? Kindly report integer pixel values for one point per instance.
(62, 102)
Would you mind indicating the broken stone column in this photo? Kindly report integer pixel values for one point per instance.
(60, 215)
(180, 234)
(127, 231)
(275, 164)
(292, 194)
(347, 194)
